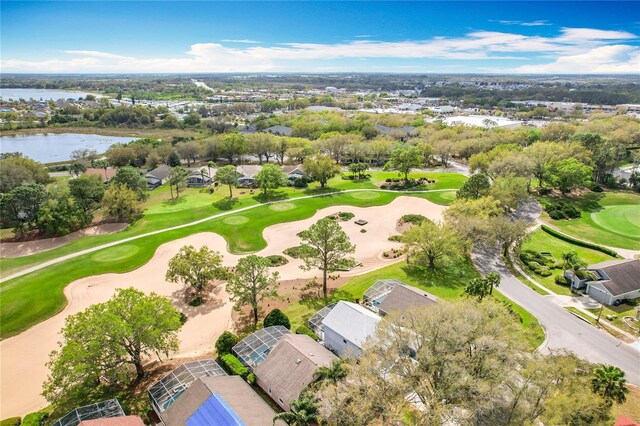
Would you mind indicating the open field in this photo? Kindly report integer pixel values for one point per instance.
(24, 355)
(447, 284)
(162, 212)
(608, 218)
(540, 241)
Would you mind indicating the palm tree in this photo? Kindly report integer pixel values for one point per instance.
(493, 280)
(304, 412)
(571, 262)
(609, 382)
(333, 373)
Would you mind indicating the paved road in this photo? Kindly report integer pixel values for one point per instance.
(564, 330)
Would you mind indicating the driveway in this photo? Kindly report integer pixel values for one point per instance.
(564, 330)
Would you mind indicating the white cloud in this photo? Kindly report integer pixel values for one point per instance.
(538, 23)
(598, 50)
(616, 59)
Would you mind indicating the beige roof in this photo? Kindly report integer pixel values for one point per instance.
(238, 395)
(403, 297)
(291, 366)
(114, 421)
(107, 174)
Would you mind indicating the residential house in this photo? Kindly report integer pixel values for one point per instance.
(387, 296)
(290, 367)
(346, 328)
(220, 400)
(246, 175)
(293, 172)
(611, 281)
(106, 174)
(278, 130)
(158, 176)
(199, 178)
(253, 349)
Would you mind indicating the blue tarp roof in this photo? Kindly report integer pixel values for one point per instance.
(214, 411)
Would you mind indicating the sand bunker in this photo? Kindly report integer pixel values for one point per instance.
(11, 250)
(23, 357)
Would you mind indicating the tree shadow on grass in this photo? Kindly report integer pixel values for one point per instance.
(319, 191)
(270, 196)
(174, 201)
(225, 203)
(587, 202)
(311, 296)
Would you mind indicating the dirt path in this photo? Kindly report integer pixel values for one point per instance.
(25, 248)
(23, 357)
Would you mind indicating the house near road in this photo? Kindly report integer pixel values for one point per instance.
(219, 400)
(290, 367)
(387, 296)
(278, 130)
(158, 176)
(246, 175)
(346, 328)
(293, 172)
(615, 280)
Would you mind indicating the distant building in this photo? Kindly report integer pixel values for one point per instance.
(246, 175)
(486, 121)
(158, 176)
(346, 328)
(106, 174)
(199, 178)
(278, 130)
(290, 367)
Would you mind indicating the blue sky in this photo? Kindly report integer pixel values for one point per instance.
(426, 37)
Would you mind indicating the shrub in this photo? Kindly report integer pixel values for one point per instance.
(303, 329)
(251, 378)
(544, 271)
(196, 302)
(300, 183)
(596, 188)
(561, 210)
(561, 280)
(362, 231)
(544, 191)
(345, 215)
(12, 421)
(233, 366)
(277, 260)
(293, 252)
(35, 419)
(388, 180)
(183, 318)
(395, 238)
(414, 219)
(225, 342)
(276, 317)
(580, 243)
(383, 186)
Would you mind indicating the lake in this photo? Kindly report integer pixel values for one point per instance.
(45, 94)
(51, 147)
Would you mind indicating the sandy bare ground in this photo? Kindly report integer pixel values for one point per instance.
(23, 357)
(25, 248)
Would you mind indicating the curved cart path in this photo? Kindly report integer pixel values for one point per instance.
(23, 357)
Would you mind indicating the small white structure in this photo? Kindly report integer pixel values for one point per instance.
(486, 121)
(346, 328)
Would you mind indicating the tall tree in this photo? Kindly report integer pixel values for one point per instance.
(483, 286)
(87, 191)
(16, 170)
(177, 179)
(507, 231)
(403, 158)
(196, 268)
(431, 245)
(609, 382)
(324, 246)
(132, 179)
(121, 203)
(102, 344)
(320, 168)
(570, 174)
(233, 145)
(475, 187)
(227, 175)
(270, 177)
(510, 191)
(20, 207)
(251, 283)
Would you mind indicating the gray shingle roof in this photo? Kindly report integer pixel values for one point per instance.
(624, 274)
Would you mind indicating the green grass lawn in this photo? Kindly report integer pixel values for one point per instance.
(162, 212)
(31, 298)
(447, 284)
(619, 312)
(608, 218)
(540, 241)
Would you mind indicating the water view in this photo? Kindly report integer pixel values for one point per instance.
(51, 147)
(44, 94)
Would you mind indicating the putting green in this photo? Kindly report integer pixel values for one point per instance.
(235, 220)
(365, 195)
(115, 253)
(280, 207)
(620, 219)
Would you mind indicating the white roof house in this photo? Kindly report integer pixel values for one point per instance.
(346, 328)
